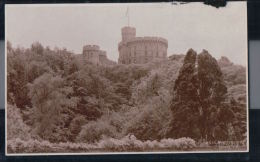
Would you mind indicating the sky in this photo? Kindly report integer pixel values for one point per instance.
(221, 31)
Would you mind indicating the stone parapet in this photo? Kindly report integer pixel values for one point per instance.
(143, 40)
(91, 48)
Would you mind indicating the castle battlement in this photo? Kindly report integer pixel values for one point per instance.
(128, 28)
(91, 48)
(93, 54)
(143, 40)
(134, 49)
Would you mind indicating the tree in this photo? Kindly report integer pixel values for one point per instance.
(199, 106)
(216, 113)
(49, 97)
(75, 126)
(212, 88)
(37, 48)
(16, 128)
(95, 131)
(17, 78)
(185, 104)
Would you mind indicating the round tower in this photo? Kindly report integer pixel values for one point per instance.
(91, 53)
(90, 48)
(128, 33)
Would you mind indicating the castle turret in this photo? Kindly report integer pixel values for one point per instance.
(91, 53)
(89, 48)
(139, 50)
(128, 33)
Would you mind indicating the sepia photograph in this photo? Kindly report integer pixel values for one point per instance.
(132, 78)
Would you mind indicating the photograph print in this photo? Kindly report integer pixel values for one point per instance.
(138, 78)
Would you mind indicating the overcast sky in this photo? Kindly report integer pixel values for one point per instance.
(222, 31)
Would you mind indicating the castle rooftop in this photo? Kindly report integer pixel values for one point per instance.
(144, 39)
(91, 47)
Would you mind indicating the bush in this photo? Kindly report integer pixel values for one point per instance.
(152, 120)
(16, 128)
(179, 144)
(27, 146)
(35, 146)
(95, 130)
(130, 143)
(126, 144)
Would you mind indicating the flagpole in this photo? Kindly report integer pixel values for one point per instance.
(127, 14)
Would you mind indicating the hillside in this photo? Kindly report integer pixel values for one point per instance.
(59, 99)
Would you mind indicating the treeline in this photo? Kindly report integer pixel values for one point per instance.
(59, 98)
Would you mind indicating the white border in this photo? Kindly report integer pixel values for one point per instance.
(115, 153)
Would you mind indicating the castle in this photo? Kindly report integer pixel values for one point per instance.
(140, 50)
(92, 53)
(132, 49)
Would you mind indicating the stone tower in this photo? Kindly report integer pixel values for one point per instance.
(91, 53)
(140, 50)
(128, 33)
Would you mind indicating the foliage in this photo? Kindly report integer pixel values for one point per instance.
(50, 102)
(128, 143)
(62, 101)
(185, 104)
(200, 95)
(150, 123)
(75, 127)
(212, 92)
(16, 128)
(94, 131)
(233, 74)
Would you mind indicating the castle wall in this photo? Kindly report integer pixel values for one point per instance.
(91, 53)
(141, 50)
(103, 57)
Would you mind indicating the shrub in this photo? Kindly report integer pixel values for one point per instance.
(152, 120)
(35, 146)
(16, 128)
(95, 130)
(130, 143)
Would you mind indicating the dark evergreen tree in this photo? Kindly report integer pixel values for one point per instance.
(199, 106)
(216, 113)
(185, 102)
